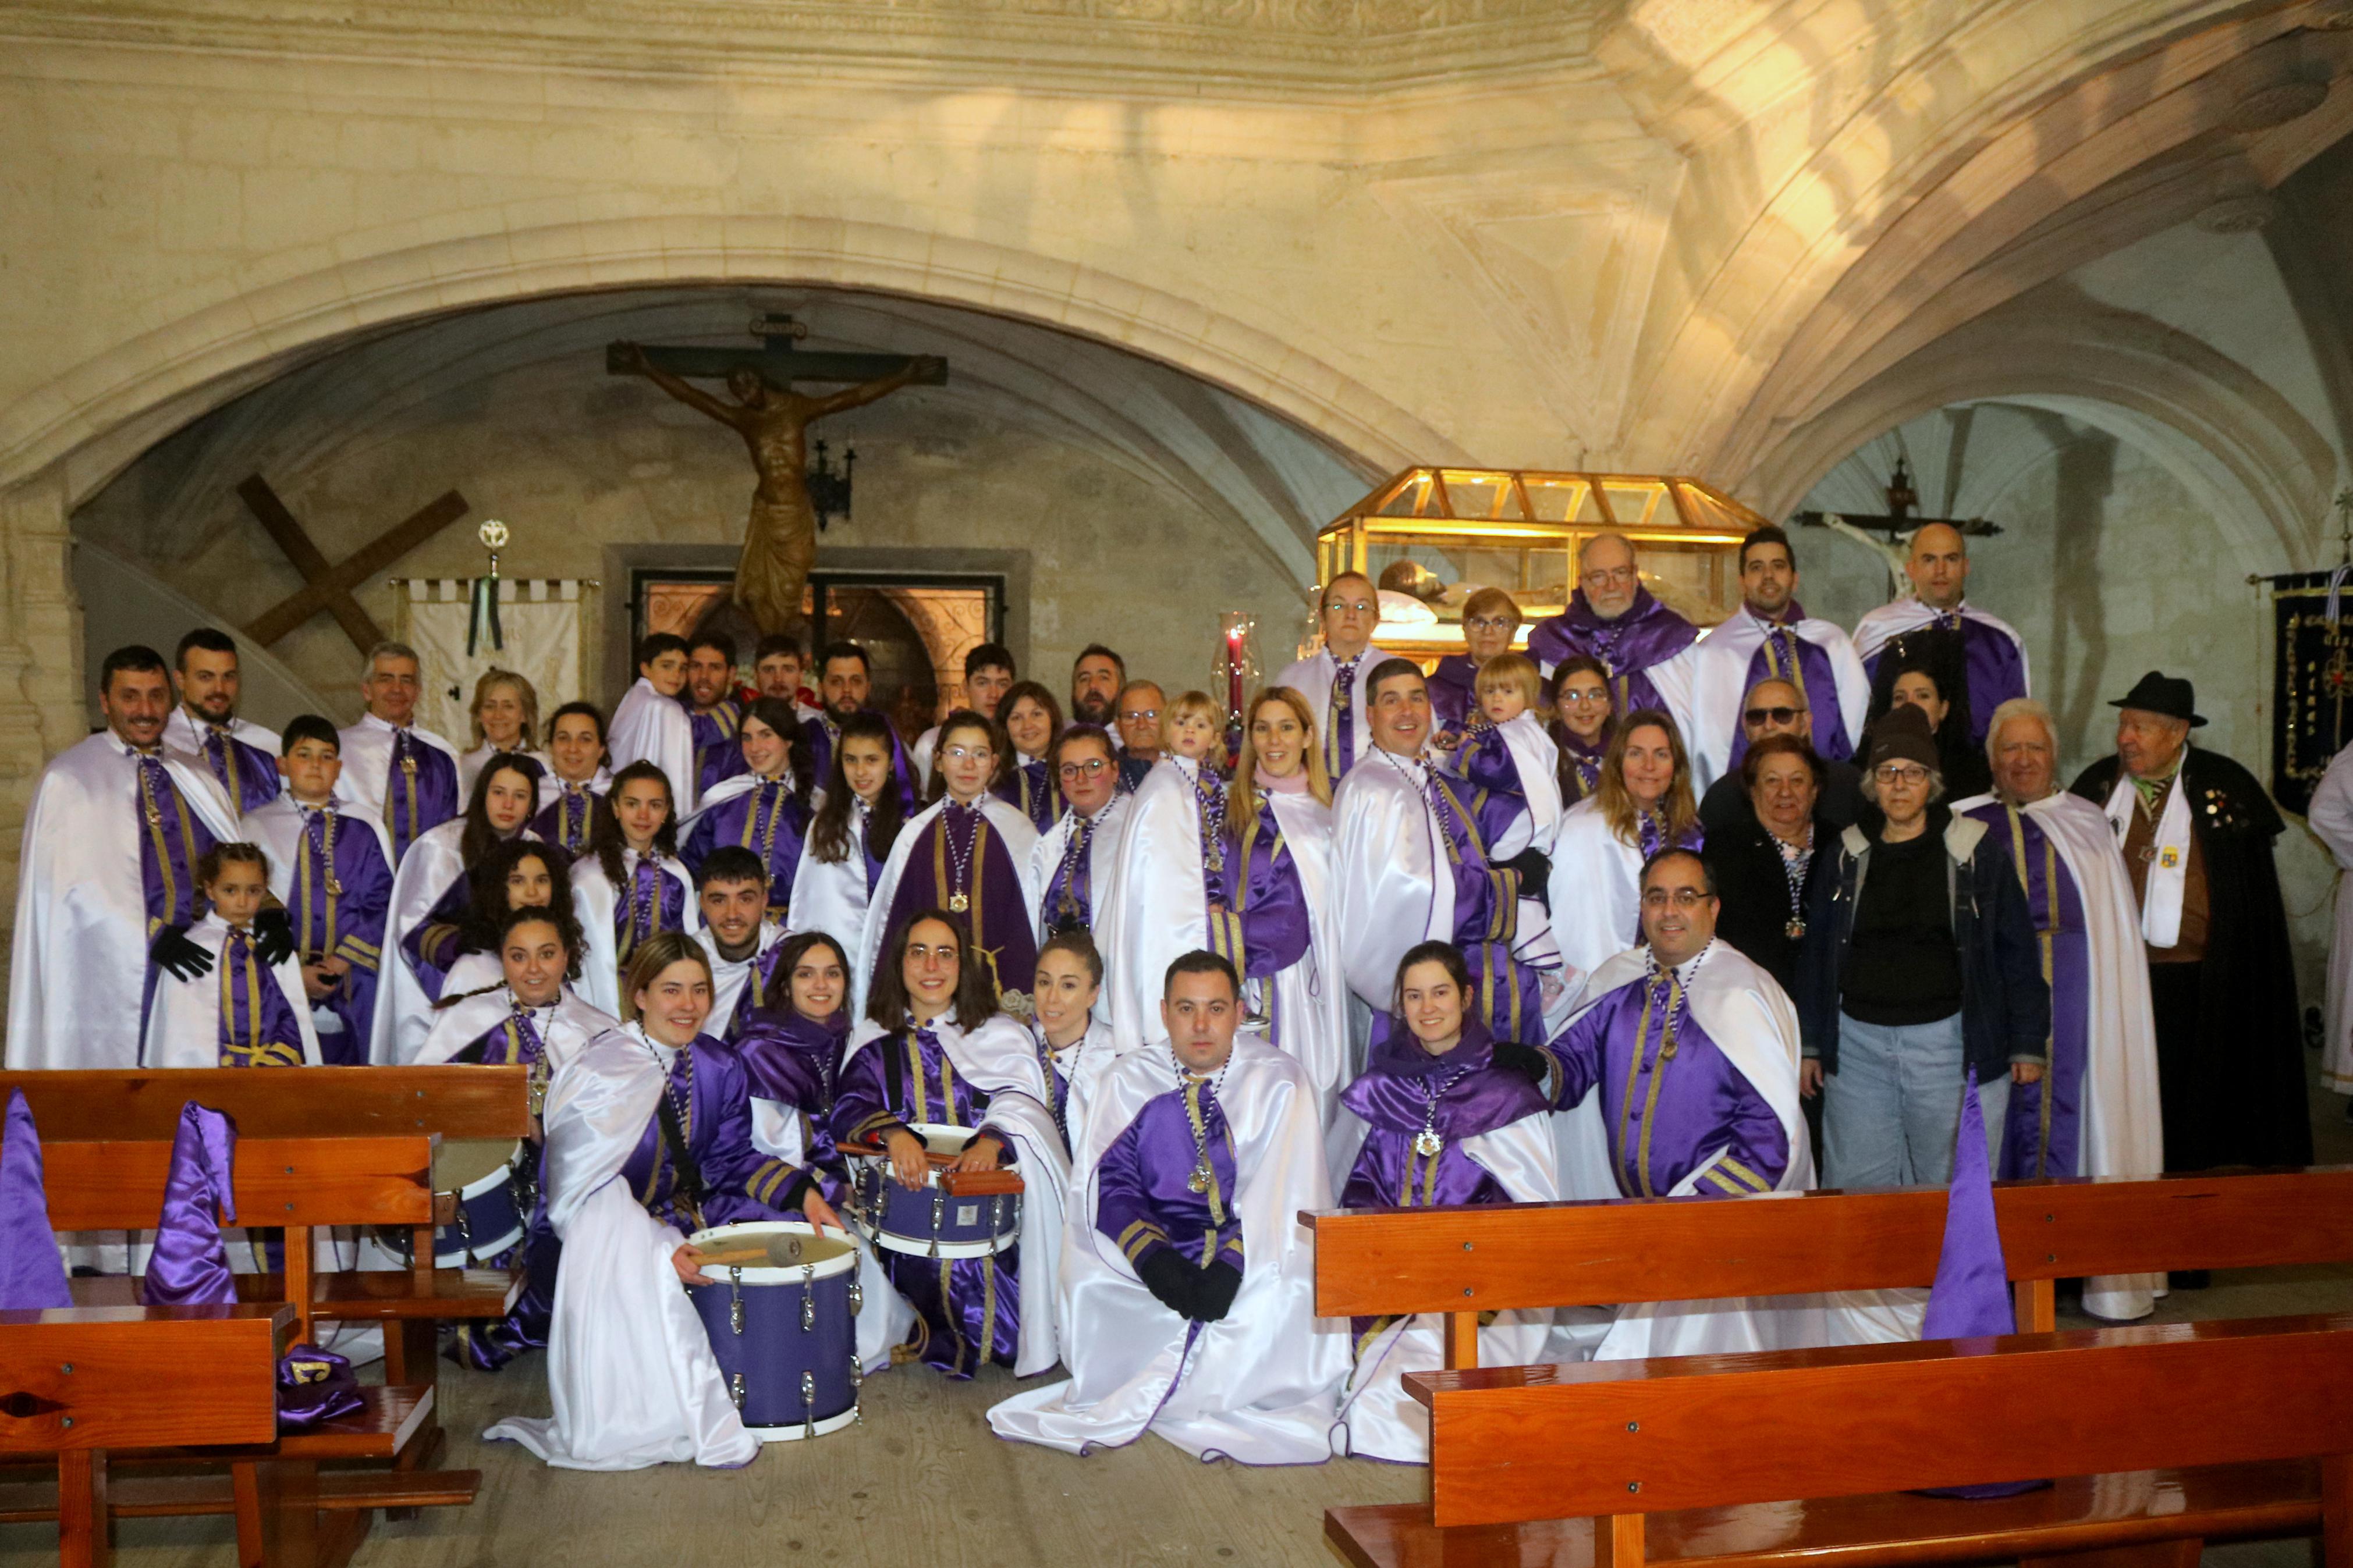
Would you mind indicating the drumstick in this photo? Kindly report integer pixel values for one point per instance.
(779, 1252)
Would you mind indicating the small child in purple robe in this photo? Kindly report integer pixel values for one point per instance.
(237, 1010)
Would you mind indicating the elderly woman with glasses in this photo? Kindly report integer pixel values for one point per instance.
(1921, 966)
(1490, 619)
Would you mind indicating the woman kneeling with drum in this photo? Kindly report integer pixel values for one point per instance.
(936, 1076)
(648, 1141)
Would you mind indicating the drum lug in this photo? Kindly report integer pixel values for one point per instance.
(857, 1300)
(939, 1217)
(736, 1299)
(736, 1390)
(808, 1404)
(857, 1383)
(997, 1217)
(808, 1298)
(465, 1230)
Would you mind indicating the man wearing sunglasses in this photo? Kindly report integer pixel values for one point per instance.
(1777, 707)
(1770, 637)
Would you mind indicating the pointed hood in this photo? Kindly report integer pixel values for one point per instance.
(32, 1273)
(190, 1268)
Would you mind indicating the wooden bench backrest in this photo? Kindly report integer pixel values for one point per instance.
(278, 1182)
(458, 1103)
(1372, 1263)
(140, 1377)
(1516, 1444)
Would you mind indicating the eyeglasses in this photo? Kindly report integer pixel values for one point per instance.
(1773, 715)
(1899, 773)
(1087, 770)
(968, 754)
(1491, 624)
(1656, 899)
(1352, 606)
(1620, 574)
(1582, 698)
(1130, 715)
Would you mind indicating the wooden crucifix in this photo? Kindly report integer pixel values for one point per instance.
(780, 535)
(329, 588)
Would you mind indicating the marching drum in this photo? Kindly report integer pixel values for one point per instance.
(781, 1324)
(492, 1206)
(946, 1218)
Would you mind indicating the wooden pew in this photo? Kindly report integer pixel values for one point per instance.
(453, 1103)
(2202, 1431)
(79, 1381)
(297, 1184)
(1460, 1262)
(1464, 1261)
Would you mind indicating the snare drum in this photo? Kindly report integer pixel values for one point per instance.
(932, 1221)
(493, 1207)
(785, 1338)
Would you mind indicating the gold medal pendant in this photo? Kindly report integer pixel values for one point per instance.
(958, 904)
(1794, 929)
(1199, 1181)
(1426, 1143)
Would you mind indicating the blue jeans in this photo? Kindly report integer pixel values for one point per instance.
(1892, 1111)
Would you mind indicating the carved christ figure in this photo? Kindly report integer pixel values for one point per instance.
(780, 538)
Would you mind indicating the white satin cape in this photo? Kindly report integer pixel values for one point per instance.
(1000, 1059)
(1379, 1420)
(1596, 890)
(404, 1012)
(1707, 685)
(832, 897)
(78, 958)
(1312, 678)
(592, 905)
(1007, 821)
(2124, 1129)
(630, 1368)
(1082, 1067)
(1257, 1386)
(184, 1026)
(2330, 817)
(561, 1037)
(1880, 626)
(1102, 870)
(365, 749)
(729, 976)
(650, 728)
(1750, 1019)
(723, 792)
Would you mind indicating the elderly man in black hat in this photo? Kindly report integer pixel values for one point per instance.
(2196, 830)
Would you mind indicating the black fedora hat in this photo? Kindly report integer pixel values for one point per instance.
(2160, 693)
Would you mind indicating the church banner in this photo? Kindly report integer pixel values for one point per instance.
(539, 618)
(2312, 679)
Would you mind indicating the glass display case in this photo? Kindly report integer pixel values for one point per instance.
(1429, 537)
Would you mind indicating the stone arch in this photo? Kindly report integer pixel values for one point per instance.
(110, 407)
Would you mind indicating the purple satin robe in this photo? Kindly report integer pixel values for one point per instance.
(1486, 900)
(709, 1083)
(1031, 788)
(1453, 693)
(653, 901)
(1647, 634)
(1069, 899)
(420, 790)
(1580, 768)
(1459, 1095)
(258, 1025)
(342, 915)
(1997, 670)
(794, 1059)
(717, 753)
(171, 837)
(1146, 1202)
(570, 819)
(249, 773)
(1669, 1116)
(435, 942)
(1001, 929)
(2045, 1135)
(971, 1306)
(766, 819)
(760, 990)
(1816, 677)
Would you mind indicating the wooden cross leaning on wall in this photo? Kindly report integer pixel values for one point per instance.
(327, 587)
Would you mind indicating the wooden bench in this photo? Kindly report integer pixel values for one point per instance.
(78, 1381)
(297, 1184)
(2203, 1431)
(1460, 1262)
(453, 1102)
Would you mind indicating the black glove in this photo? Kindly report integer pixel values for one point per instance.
(1524, 1059)
(273, 937)
(173, 950)
(1536, 871)
(1213, 1295)
(1168, 1276)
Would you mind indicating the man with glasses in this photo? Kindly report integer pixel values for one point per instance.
(1989, 649)
(1139, 706)
(1332, 678)
(1073, 863)
(1613, 618)
(1770, 637)
(1777, 707)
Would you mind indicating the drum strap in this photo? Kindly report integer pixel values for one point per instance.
(690, 1175)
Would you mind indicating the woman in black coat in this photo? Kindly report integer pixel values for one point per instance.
(1764, 866)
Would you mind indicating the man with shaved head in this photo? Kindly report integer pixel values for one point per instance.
(1936, 625)
(1613, 618)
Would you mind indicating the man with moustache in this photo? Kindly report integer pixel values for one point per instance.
(242, 756)
(1613, 618)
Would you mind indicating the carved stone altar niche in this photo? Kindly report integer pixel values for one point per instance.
(1005, 569)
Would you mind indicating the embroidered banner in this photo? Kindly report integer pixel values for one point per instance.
(2312, 683)
(541, 618)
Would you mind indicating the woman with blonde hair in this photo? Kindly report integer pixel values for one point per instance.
(1243, 870)
(1644, 804)
(505, 716)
